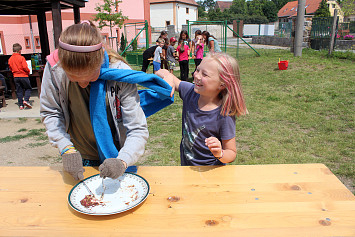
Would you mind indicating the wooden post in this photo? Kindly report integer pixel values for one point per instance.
(57, 21)
(332, 36)
(76, 15)
(43, 35)
(299, 28)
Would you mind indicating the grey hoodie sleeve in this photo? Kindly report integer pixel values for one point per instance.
(51, 110)
(134, 122)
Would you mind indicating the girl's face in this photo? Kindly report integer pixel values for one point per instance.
(206, 78)
(84, 78)
(183, 36)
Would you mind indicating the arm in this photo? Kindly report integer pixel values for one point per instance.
(193, 48)
(51, 111)
(227, 150)
(211, 43)
(135, 124)
(172, 80)
(25, 66)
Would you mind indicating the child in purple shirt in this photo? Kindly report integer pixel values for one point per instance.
(209, 109)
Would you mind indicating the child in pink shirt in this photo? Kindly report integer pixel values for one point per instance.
(183, 52)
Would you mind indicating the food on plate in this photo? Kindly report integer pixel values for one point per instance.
(90, 201)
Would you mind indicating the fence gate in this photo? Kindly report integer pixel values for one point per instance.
(321, 32)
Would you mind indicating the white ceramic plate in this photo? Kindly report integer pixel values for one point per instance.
(122, 194)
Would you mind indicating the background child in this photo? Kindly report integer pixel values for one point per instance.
(20, 71)
(198, 45)
(185, 36)
(170, 55)
(158, 55)
(103, 118)
(147, 54)
(183, 52)
(209, 109)
(211, 42)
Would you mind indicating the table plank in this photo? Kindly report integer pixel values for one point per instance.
(267, 200)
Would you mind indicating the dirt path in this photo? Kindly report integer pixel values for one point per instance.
(24, 143)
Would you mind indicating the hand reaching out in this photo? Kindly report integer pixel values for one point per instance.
(214, 145)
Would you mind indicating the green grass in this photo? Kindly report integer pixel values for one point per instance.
(38, 134)
(301, 115)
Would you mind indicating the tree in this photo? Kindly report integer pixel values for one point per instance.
(239, 7)
(123, 44)
(202, 15)
(280, 3)
(270, 11)
(323, 10)
(108, 15)
(348, 7)
(209, 4)
(255, 7)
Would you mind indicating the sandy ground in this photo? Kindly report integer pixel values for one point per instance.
(26, 151)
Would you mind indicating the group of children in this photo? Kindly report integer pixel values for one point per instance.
(165, 52)
(90, 104)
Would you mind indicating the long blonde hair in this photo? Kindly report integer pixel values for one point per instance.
(232, 96)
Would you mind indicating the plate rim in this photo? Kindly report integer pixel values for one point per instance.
(110, 213)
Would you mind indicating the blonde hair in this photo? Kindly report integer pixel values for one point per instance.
(83, 34)
(16, 47)
(232, 95)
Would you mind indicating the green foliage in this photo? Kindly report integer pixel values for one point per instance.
(134, 44)
(123, 43)
(251, 12)
(38, 133)
(270, 11)
(108, 16)
(352, 26)
(202, 15)
(348, 7)
(239, 7)
(323, 10)
(280, 3)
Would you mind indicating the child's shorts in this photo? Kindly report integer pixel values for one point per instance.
(156, 66)
(171, 65)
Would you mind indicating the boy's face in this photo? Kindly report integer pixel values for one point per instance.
(172, 43)
(161, 44)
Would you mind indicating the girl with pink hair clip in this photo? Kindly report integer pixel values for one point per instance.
(209, 109)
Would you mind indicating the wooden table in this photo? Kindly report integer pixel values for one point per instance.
(37, 74)
(256, 200)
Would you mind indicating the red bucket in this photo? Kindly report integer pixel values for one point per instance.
(283, 65)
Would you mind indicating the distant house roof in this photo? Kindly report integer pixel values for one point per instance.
(223, 5)
(290, 9)
(189, 2)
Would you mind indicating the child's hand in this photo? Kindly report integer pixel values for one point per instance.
(168, 77)
(214, 145)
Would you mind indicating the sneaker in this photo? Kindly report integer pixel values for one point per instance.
(27, 104)
(21, 107)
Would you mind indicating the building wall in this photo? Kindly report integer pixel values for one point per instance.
(160, 13)
(173, 12)
(14, 29)
(334, 5)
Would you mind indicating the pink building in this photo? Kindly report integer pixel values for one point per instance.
(24, 29)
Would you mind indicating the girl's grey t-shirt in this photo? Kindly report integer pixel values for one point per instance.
(197, 125)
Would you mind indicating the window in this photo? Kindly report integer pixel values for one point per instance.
(333, 5)
(27, 42)
(37, 42)
(187, 22)
(187, 10)
(167, 23)
(105, 37)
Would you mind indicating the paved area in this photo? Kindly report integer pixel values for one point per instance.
(12, 109)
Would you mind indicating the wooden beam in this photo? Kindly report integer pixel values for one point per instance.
(43, 34)
(76, 15)
(57, 21)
